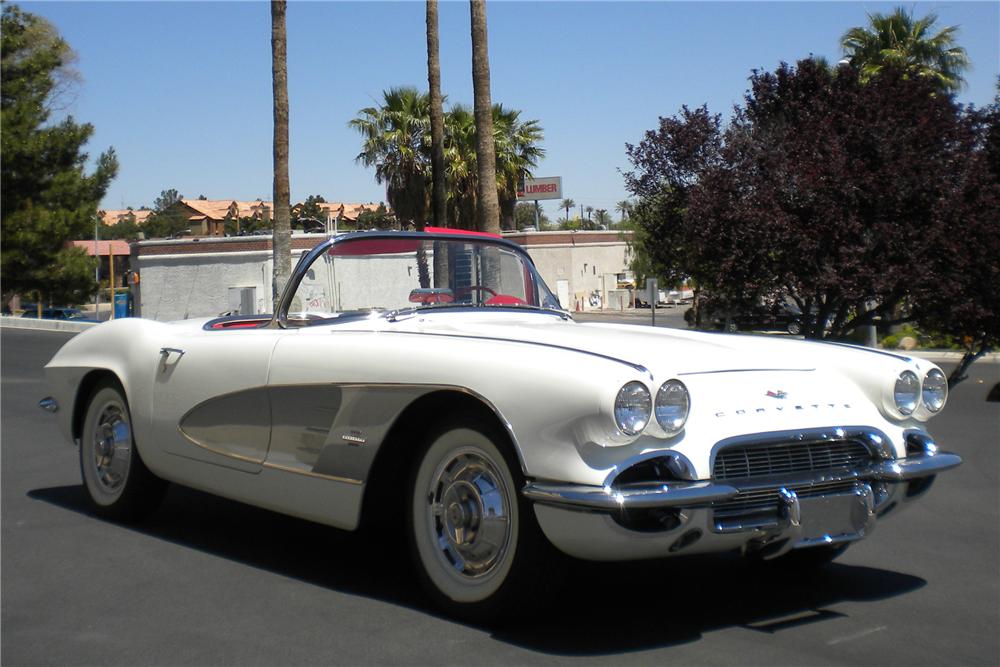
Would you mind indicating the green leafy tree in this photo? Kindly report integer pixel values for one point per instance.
(904, 42)
(380, 218)
(524, 216)
(397, 144)
(460, 158)
(48, 196)
(311, 209)
(168, 198)
(517, 153)
(567, 204)
(126, 229)
(623, 207)
(169, 219)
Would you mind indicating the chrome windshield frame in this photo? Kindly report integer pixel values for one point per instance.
(280, 317)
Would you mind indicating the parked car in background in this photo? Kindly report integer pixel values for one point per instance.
(429, 383)
(59, 313)
(781, 316)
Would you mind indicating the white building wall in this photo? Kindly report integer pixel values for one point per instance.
(190, 285)
(180, 287)
(587, 268)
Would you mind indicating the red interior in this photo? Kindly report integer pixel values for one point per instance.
(238, 324)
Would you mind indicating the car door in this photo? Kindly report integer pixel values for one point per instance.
(210, 400)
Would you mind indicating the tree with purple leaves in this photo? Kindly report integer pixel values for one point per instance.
(836, 193)
(966, 302)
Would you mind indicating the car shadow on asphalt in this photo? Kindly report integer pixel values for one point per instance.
(601, 608)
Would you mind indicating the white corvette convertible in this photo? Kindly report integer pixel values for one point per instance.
(434, 379)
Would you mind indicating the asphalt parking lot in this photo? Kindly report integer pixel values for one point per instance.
(209, 581)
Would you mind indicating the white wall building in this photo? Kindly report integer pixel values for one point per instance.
(582, 268)
(187, 278)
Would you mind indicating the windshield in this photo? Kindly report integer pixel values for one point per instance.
(397, 273)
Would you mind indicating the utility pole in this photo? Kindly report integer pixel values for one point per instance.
(97, 275)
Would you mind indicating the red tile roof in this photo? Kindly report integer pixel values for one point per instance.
(104, 247)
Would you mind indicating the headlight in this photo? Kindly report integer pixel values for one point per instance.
(672, 406)
(935, 391)
(907, 392)
(632, 408)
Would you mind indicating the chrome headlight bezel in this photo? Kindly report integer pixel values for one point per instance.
(934, 390)
(906, 393)
(633, 408)
(674, 401)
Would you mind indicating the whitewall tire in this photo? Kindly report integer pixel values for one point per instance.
(474, 540)
(117, 483)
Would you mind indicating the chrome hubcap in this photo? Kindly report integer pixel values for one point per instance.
(112, 440)
(469, 513)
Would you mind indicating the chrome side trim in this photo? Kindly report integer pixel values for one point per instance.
(309, 473)
(684, 494)
(207, 448)
(913, 467)
(49, 404)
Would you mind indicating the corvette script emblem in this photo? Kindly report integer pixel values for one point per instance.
(777, 394)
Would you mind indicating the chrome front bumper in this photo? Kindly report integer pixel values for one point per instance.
(588, 522)
(705, 493)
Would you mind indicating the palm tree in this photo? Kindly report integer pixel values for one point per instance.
(439, 193)
(517, 153)
(488, 209)
(590, 211)
(900, 40)
(462, 172)
(567, 204)
(624, 208)
(396, 143)
(603, 218)
(282, 239)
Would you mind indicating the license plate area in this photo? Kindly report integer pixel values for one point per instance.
(831, 517)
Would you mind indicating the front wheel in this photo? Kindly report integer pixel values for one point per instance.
(118, 484)
(794, 328)
(475, 541)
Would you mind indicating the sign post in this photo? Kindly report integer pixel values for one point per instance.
(534, 189)
(652, 293)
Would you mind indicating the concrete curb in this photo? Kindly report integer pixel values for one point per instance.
(8, 322)
(946, 355)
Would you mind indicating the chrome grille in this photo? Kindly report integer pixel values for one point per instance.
(783, 458)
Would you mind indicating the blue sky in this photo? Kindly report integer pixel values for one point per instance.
(182, 90)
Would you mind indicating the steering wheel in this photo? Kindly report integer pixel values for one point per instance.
(476, 288)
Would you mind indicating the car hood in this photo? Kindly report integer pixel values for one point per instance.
(652, 348)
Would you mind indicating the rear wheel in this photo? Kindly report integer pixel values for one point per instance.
(118, 484)
(474, 539)
(794, 328)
